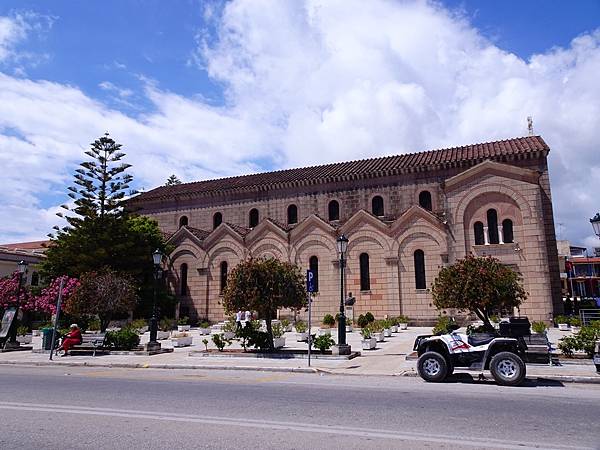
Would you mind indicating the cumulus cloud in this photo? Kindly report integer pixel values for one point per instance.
(319, 81)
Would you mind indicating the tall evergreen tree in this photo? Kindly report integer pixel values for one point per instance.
(173, 180)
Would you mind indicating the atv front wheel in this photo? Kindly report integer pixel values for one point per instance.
(432, 367)
(508, 369)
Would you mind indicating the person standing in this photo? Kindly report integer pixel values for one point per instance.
(238, 320)
(248, 316)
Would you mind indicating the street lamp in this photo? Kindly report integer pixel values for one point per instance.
(153, 344)
(595, 221)
(12, 341)
(342, 248)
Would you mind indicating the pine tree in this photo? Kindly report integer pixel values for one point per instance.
(173, 181)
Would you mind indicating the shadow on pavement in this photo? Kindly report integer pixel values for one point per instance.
(466, 378)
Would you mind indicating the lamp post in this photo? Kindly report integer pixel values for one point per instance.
(342, 347)
(12, 341)
(595, 221)
(153, 344)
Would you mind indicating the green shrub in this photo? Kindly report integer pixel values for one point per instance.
(125, 339)
(204, 324)
(539, 327)
(185, 320)
(365, 332)
(300, 326)
(220, 342)
(328, 320)
(323, 343)
(584, 341)
(230, 325)
(22, 330)
(403, 319)
(277, 330)
(205, 342)
(444, 324)
(260, 340)
(362, 321)
(137, 324)
(575, 321)
(562, 319)
(166, 324)
(370, 318)
(472, 329)
(376, 326)
(285, 323)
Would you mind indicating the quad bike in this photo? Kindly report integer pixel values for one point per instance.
(502, 353)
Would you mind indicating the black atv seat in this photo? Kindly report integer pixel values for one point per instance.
(477, 339)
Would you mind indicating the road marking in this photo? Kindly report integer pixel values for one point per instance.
(279, 425)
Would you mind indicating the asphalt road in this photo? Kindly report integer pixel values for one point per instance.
(81, 408)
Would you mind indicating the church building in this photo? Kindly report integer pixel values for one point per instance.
(405, 216)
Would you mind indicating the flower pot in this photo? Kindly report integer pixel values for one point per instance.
(141, 330)
(35, 332)
(162, 335)
(402, 326)
(182, 341)
(563, 327)
(379, 336)
(24, 339)
(394, 328)
(183, 328)
(204, 331)
(575, 330)
(302, 337)
(348, 328)
(228, 335)
(369, 344)
(288, 328)
(324, 331)
(387, 332)
(278, 342)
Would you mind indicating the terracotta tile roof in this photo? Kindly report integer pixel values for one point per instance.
(242, 231)
(34, 245)
(366, 168)
(200, 234)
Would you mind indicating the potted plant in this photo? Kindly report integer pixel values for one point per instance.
(539, 327)
(183, 324)
(278, 337)
(562, 322)
(368, 341)
(287, 325)
(164, 329)
(328, 322)
(229, 329)
(348, 325)
(575, 323)
(140, 325)
(403, 322)
(181, 339)
(377, 330)
(302, 334)
(204, 327)
(323, 343)
(23, 335)
(394, 324)
(387, 328)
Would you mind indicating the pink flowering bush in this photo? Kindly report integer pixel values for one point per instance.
(8, 291)
(45, 302)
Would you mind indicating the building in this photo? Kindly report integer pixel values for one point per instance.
(406, 217)
(30, 252)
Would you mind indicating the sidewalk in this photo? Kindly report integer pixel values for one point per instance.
(389, 359)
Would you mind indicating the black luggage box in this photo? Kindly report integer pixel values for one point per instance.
(515, 327)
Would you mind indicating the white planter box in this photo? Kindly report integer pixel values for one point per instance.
(348, 328)
(279, 342)
(379, 337)
(139, 330)
(302, 337)
(563, 327)
(182, 341)
(183, 327)
(228, 335)
(162, 335)
(387, 332)
(402, 326)
(369, 344)
(204, 331)
(575, 330)
(394, 328)
(324, 331)
(24, 339)
(288, 328)
(36, 332)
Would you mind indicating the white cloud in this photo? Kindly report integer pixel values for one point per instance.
(319, 81)
(12, 30)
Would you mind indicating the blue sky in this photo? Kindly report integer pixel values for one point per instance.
(207, 89)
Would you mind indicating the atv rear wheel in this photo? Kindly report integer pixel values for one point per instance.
(432, 367)
(508, 369)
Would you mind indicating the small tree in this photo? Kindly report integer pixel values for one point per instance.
(104, 294)
(265, 285)
(481, 285)
(173, 180)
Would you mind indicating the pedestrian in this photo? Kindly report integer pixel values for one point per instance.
(248, 316)
(72, 338)
(238, 320)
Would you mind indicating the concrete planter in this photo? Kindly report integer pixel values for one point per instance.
(379, 336)
(563, 327)
(387, 332)
(36, 332)
(394, 328)
(369, 344)
(279, 342)
(204, 331)
(348, 328)
(302, 337)
(185, 341)
(575, 330)
(24, 339)
(162, 335)
(402, 326)
(324, 331)
(183, 328)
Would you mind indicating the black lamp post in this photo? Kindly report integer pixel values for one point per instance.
(342, 247)
(153, 344)
(595, 221)
(12, 341)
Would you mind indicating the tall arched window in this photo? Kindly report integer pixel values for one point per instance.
(253, 218)
(377, 206)
(313, 265)
(478, 230)
(217, 219)
(183, 273)
(425, 200)
(223, 276)
(365, 278)
(292, 214)
(183, 221)
(334, 210)
(35, 279)
(492, 222)
(420, 281)
(507, 231)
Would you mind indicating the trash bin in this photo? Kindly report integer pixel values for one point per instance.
(47, 338)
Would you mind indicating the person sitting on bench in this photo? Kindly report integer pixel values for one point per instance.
(72, 338)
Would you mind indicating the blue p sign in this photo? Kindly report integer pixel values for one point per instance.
(310, 281)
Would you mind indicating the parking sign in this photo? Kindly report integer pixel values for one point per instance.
(310, 281)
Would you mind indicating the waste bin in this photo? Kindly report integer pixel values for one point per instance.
(47, 338)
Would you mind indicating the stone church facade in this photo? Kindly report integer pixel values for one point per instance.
(405, 217)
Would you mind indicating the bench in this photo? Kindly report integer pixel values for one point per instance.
(90, 343)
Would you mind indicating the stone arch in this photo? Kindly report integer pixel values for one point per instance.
(310, 241)
(423, 229)
(271, 247)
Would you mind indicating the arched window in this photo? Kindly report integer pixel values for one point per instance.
(183, 221)
(292, 213)
(253, 218)
(183, 273)
(334, 210)
(365, 278)
(217, 219)
(223, 276)
(425, 200)
(507, 231)
(492, 223)
(478, 230)
(420, 281)
(313, 265)
(377, 206)
(35, 279)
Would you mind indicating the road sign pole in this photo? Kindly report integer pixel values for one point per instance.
(309, 325)
(60, 290)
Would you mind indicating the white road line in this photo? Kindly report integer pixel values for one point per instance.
(277, 425)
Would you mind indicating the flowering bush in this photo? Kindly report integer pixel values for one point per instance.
(46, 301)
(8, 292)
